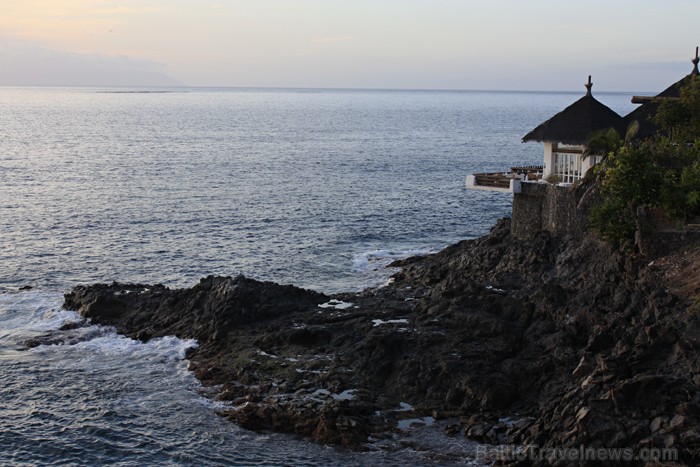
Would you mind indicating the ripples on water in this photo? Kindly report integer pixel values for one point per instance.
(111, 400)
(281, 185)
(320, 189)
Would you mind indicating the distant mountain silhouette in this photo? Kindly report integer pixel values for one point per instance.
(28, 64)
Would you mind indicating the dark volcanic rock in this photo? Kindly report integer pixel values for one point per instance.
(207, 311)
(555, 341)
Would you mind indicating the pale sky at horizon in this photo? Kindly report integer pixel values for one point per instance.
(553, 45)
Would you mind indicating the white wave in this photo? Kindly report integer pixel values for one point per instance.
(173, 344)
(379, 258)
(213, 404)
(34, 311)
(169, 347)
(52, 319)
(39, 311)
(404, 407)
(379, 322)
(337, 304)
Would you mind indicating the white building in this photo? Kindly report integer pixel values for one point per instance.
(565, 136)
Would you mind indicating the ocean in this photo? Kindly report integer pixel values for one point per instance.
(319, 188)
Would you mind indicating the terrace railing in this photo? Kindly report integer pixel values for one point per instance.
(494, 180)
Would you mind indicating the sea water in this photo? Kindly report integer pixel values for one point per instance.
(320, 188)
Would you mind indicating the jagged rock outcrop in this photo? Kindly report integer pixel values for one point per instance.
(576, 342)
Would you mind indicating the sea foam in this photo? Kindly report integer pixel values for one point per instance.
(45, 312)
(377, 259)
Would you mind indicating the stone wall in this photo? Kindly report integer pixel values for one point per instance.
(564, 211)
(541, 206)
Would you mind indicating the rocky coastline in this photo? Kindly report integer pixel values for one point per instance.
(554, 341)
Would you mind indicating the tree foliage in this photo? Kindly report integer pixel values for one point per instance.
(605, 142)
(662, 172)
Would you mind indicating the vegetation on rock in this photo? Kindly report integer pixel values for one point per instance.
(661, 172)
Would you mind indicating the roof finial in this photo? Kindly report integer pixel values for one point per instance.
(695, 63)
(589, 85)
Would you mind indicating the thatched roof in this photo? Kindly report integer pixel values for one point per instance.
(645, 113)
(574, 124)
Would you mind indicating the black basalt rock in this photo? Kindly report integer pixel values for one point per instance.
(556, 341)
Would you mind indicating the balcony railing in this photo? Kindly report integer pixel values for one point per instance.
(495, 180)
(505, 181)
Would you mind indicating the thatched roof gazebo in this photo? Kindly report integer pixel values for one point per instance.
(574, 124)
(566, 134)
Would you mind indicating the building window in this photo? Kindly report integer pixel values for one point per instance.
(567, 163)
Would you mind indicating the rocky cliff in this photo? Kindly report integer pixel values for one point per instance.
(553, 340)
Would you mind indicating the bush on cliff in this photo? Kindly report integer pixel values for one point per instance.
(631, 179)
(662, 172)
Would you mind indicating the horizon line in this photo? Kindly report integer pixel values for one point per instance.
(307, 88)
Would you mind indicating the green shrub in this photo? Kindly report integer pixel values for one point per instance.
(630, 178)
(663, 171)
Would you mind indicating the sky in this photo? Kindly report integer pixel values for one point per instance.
(553, 45)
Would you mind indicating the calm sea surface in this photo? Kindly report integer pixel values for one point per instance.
(318, 188)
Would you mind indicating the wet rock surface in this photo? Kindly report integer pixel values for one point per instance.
(554, 341)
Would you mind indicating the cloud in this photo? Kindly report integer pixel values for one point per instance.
(332, 39)
(28, 64)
